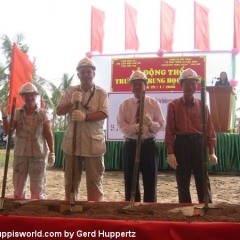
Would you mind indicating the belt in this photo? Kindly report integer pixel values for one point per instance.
(142, 140)
(190, 136)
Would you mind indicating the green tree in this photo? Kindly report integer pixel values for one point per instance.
(40, 83)
(3, 83)
(49, 93)
(59, 122)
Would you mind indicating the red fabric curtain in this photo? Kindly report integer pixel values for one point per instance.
(21, 72)
(167, 26)
(236, 37)
(97, 31)
(30, 227)
(201, 27)
(131, 38)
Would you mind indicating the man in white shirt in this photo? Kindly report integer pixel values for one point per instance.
(153, 122)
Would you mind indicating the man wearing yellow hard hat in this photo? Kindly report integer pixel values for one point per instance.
(183, 138)
(33, 144)
(90, 137)
(128, 123)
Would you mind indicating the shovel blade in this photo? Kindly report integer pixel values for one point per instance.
(66, 207)
(129, 209)
(1, 204)
(214, 211)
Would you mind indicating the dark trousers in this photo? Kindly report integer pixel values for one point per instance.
(148, 165)
(188, 154)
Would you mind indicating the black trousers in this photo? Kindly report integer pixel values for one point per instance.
(188, 154)
(148, 165)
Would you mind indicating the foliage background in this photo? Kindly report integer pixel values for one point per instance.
(49, 92)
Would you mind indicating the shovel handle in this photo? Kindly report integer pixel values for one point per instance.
(75, 132)
(204, 143)
(75, 124)
(8, 148)
(137, 155)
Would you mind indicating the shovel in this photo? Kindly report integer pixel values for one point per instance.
(205, 209)
(7, 154)
(72, 207)
(130, 207)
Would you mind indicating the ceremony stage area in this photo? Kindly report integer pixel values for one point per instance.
(227, 150)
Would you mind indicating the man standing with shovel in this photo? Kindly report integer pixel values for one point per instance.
(86, 107)
(183, 138)
(128, 123)
(34, 143)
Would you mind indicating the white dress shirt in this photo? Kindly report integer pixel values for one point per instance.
(126, 118)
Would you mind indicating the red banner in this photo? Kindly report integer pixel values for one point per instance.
(201, 27)
(97, 30)
(131, 38)
(167, 26)
(21, 73)
(236, 34)
(162, 73)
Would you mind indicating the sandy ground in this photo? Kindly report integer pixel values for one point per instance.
(225, 187)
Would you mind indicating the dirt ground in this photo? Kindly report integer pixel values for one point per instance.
(225, 190)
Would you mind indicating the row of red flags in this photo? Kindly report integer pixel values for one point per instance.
(167, 22)
(22, 68)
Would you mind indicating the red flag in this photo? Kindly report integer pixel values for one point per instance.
(42, 103)
(21, 72)
(97, 31)
(236, 37)
(167, 26)
(201, 27)
(131, 39)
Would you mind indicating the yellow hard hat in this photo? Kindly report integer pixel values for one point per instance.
(138, 75)
(86, 62)
(28, 88)
(188, 74)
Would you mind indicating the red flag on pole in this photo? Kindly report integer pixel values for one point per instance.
(167, 26)
(201, 27)
(21, 72)
(42, 103)
(131, 38)
(236, 37)
(97, 31)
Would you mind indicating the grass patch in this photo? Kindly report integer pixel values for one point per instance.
(3, 156)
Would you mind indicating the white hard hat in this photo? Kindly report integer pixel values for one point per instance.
(138, 75)
(188, 74)
(28, 88)
(86, 62)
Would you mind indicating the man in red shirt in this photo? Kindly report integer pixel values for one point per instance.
(183, 138)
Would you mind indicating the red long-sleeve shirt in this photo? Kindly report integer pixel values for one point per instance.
(187, 119)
